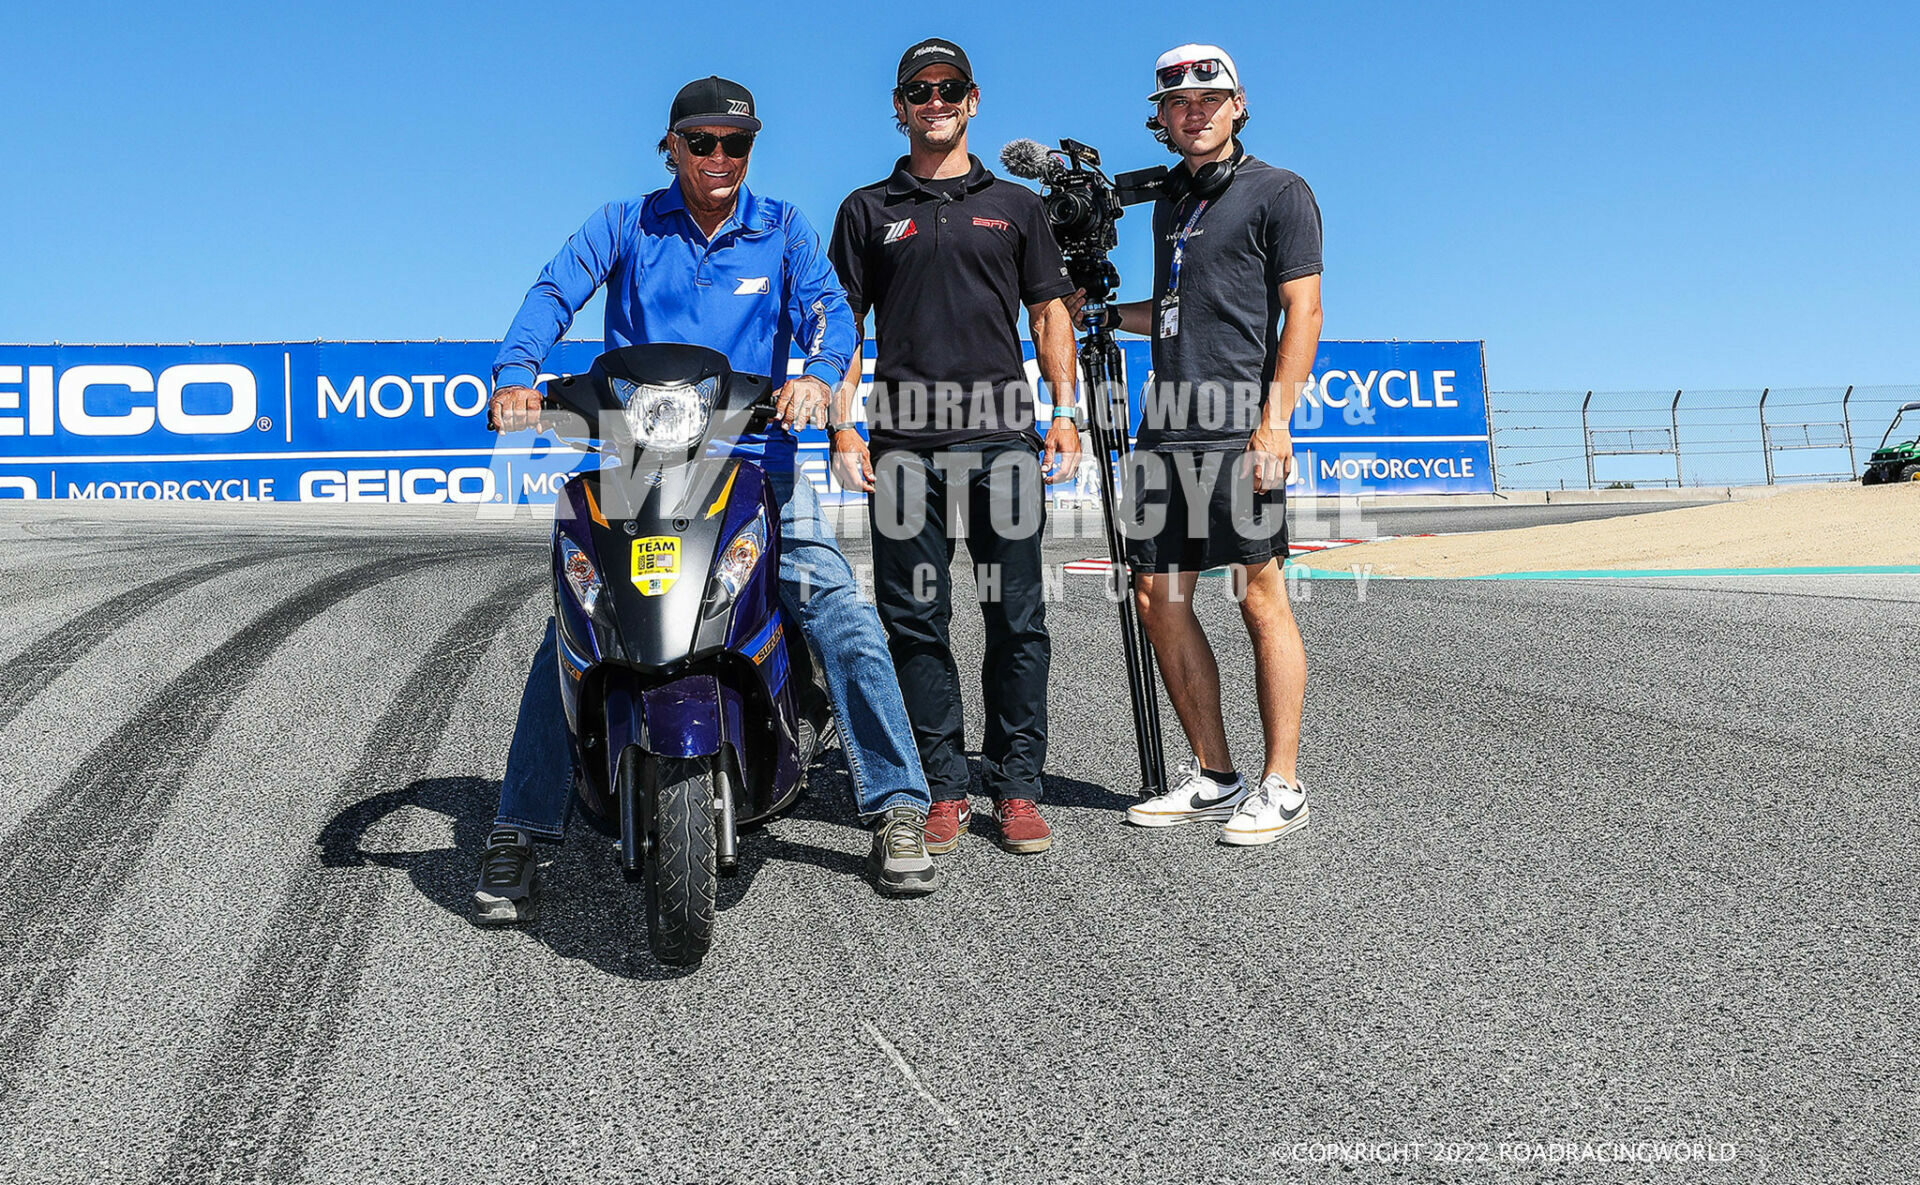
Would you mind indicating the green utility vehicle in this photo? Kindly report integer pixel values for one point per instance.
(1896, 459)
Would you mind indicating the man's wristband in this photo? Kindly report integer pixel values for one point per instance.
(843, 426)
(1073, 415)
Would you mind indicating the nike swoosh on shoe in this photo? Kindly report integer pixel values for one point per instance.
(1201, 804)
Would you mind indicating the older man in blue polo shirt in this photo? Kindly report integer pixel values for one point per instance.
(706, 261)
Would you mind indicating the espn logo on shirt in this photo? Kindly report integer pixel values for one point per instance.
(896, 231)
(993, 223)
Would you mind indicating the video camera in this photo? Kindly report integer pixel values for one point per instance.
(1082, 205)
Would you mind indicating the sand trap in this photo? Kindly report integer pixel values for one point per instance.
(1817, 526)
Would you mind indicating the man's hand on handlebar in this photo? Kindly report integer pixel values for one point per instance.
(514, 408)
(802, 401)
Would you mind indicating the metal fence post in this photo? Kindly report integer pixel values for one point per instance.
(1846, 424)
(1586, 437)
(1493, 460)
(1674, 415)
(1766, 443)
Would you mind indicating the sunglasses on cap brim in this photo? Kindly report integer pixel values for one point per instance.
(1203, 71)
(952, 90)
(735, 144)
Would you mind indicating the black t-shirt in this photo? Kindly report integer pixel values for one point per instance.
(946, 265)
(1210, 377)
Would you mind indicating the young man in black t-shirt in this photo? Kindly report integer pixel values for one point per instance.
(1235, 322)
(946, 254)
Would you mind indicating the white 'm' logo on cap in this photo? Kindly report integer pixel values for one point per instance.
(736, 106)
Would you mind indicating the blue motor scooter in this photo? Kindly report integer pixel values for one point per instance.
(694, 704)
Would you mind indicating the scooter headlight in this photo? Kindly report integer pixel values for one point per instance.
(580, 574)
(672, 417)
(741, 557)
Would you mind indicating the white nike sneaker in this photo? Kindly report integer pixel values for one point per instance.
(1194, 797)
(1277, 808)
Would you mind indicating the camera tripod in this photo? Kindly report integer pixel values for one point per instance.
(1109, 419)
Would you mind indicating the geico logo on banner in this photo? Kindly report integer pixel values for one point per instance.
(397, 485)
(167, 408)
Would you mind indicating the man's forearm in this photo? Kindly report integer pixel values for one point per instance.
(1053, 345)
(565, 286)
(848, 389)
(1136, 316)
(1299, 343)
(542, 321)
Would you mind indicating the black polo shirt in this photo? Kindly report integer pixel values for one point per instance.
(1263, 231)
(946, 266)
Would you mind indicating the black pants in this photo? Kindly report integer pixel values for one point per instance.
(922, 504)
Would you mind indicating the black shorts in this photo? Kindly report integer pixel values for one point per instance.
(1195, 510)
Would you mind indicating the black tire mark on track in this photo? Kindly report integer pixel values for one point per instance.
(71, 858)
(248, 1115)
(47, 659)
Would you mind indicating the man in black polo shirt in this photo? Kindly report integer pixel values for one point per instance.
(945, 253)
(1235, 322)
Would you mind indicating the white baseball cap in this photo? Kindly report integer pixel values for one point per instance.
(1199, 67)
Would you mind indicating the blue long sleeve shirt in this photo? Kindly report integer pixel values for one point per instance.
(759, 284)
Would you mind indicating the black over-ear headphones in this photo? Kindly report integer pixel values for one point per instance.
(1209, 183)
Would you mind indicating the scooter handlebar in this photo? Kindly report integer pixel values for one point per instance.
(748, 392)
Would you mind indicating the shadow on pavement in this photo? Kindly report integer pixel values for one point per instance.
(1074, 792)
(587, 909)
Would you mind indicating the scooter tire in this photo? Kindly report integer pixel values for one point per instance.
(681, 870)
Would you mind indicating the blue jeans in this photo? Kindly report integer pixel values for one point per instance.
(818, 590)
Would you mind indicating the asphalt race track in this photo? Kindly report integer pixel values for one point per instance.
(1612, 862)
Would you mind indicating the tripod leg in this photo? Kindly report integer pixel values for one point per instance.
(1104, 370)
(1153, 754)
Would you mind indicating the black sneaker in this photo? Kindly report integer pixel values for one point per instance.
(505, 892)
(899, 862)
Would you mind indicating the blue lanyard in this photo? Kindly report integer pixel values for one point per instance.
(1180, 248)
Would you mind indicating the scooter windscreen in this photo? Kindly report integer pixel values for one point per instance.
(660, 403)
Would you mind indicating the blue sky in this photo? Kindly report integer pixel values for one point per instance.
(1708, 195)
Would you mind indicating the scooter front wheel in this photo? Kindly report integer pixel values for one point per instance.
(681, 876)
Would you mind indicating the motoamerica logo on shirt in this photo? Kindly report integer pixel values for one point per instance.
(895, 231)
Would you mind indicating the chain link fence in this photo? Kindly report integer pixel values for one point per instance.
(1562, 440)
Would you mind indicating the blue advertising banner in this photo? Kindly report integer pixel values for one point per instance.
(291, 422)
(405, 422)
(1381, 418)
(1395, 417)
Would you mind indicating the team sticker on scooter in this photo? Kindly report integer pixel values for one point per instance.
(656, 564)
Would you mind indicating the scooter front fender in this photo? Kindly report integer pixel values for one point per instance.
(683, 718)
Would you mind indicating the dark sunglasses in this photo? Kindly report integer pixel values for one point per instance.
(1202, 71)
(736, 144)
(952, 90)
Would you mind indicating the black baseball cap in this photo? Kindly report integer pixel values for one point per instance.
(934, 51)
(712, 102)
